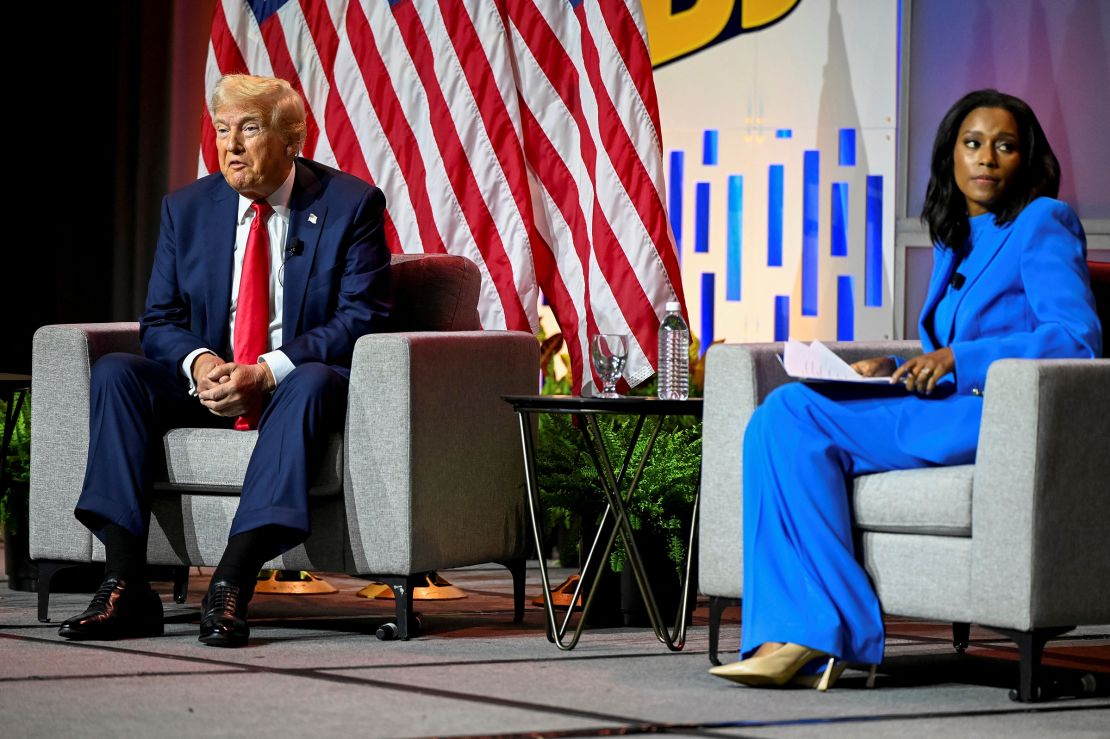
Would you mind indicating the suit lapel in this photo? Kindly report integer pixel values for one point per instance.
(983, 252)
(942, 273)
(306, 221)
(219, 238)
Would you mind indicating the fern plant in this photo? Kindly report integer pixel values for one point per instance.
(17, 467)
(664, 498)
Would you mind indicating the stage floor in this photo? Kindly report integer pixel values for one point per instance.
(314, 669)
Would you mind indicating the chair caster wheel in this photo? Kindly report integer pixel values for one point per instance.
(1015, 695)
(390, 632)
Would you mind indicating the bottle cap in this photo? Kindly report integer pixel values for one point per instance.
(673, 305)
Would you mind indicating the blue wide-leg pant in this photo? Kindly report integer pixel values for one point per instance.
(802, 582)
(135, 400)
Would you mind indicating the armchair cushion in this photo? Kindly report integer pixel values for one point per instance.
(215, 461)
(933, 500)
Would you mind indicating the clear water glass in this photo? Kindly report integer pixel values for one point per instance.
(609, 353)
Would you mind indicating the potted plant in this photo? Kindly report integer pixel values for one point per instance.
(22, 572)
(660, 512)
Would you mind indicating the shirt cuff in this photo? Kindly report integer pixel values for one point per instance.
(279, 364)
(187, 367)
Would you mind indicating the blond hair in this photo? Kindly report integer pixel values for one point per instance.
(272, 97)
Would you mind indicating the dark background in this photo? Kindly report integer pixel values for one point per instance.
(104, 121)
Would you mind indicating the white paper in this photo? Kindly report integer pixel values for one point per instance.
(817, 362)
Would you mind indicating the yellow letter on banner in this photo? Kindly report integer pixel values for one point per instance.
(671, 35)
(756, 13)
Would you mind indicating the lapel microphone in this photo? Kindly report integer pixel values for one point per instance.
(957, 281)
(296, 247)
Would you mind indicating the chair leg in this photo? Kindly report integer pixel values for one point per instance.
(717, 606)
(517, 568)
(1030, 648)
(48, 568)
(961, 636)
(408, 623)
(180, 584)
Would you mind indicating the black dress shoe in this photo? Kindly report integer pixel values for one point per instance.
(117, 611)
(223, 621)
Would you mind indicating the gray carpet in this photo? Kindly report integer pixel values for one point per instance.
(314, 669)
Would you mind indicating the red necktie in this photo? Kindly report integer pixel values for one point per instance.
(252, 311)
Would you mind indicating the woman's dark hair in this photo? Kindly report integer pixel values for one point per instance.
(945, 210)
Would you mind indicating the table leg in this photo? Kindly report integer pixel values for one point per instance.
(555, 632)
(611, 488)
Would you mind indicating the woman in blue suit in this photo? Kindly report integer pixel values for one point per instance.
(1009, 280)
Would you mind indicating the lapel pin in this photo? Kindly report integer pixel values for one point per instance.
(312, 218)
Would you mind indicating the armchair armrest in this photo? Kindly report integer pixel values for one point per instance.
(737, 379)
(1041, 495)
(62, 358)
(434, 472)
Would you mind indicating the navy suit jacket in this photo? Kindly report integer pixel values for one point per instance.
(336, 284)
(1028, 297)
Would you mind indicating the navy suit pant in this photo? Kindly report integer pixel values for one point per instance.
(135, 401)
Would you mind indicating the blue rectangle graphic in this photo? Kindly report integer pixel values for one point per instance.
(735, 236)
(782, 317)
(811, 197)
(708, 297)
(784, 133)
(873, 243)
(838, 240)
(701, 217)
(847, 147)
(674, 197)
(709, 142)
(845, 308)
(774, 215)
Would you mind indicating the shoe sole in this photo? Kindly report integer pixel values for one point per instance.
(109, 635)
(222, 640)
(751, 679)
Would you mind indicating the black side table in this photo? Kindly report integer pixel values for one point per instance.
(617, 488)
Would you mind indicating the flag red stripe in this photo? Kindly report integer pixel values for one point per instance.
(630, 168)
(208, 141)
(228, 56)
(274, 37)
(637, 59)
(491, 107)
(618, 272)
(560, 185)
(341, 132)
(459, 174)
(401, 140)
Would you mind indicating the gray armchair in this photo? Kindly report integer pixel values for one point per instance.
(428, 441)
(1016, 542)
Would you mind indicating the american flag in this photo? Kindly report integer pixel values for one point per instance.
(522, 134)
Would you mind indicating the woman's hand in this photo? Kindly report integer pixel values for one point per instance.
(874, 367)
(922, 373)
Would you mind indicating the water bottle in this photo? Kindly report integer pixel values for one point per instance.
(674, 355)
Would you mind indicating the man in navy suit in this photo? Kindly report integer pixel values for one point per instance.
(280, 264)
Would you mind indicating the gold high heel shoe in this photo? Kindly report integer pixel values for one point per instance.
(825, 680)
(821, 680)
(776, 668)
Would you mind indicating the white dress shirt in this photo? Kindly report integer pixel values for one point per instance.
(277, 228)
